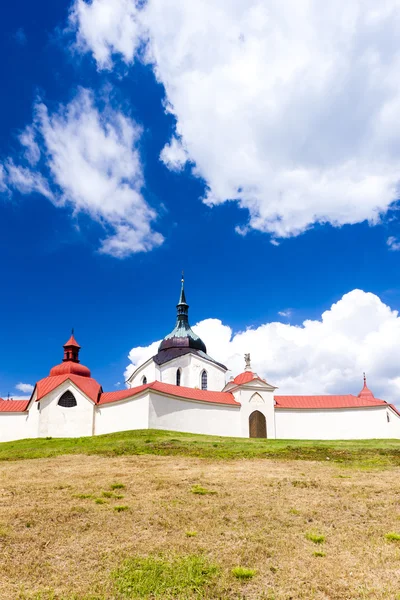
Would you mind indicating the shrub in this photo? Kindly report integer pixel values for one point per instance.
(319, 554)
(200, 490)
(243, 573)
(162, 578)
(117, 486)
(100, 501)
(83, 496)
(191, 533)
(393, 537)
(315, 537)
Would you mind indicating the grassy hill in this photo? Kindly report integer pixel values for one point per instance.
(365, 453)
(158, 515)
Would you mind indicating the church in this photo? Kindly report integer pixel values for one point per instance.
(184, 389)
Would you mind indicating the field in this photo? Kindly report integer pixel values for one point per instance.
(161, 515)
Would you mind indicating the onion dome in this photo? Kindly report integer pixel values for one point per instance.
(365, 392)
(182, 335)
(70, 363)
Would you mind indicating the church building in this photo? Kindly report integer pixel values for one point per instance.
(182, 388)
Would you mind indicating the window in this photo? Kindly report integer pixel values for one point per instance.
(204, 380)
(67, 400)
(38, 405)
(144, 380)
(178, 377)
(388, 417)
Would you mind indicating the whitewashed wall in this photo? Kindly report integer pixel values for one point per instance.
(57, 421)
(122, 416)
(256, 397)
(339, 424)
(15, 426)
(149, 370)
(191, 367)
(193, 417)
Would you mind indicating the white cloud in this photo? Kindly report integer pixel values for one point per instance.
(393, 243)
(20, 37)
(290, 108)
(105, 28)
(174, 155)
(285, 313)
(94, 167)
(358, 333)
(27, 388)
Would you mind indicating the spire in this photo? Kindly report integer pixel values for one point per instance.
(365, 392)
(182, 307)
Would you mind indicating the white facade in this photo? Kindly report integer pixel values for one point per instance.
(183, 389)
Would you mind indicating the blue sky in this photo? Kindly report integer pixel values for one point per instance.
(275, 194)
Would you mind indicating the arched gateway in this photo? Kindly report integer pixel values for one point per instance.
(257, 425)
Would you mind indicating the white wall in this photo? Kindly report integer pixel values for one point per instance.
(122, 416)
(15, 426)
(339, 424)
(193, 417)
(192, 366)
(57, 421)
(256, 397)
(149, 370)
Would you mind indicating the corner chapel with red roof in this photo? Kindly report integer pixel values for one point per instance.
(182, 388)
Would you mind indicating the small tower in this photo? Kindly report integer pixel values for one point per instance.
(71, 349)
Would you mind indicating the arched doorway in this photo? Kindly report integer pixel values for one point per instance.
(257, 425)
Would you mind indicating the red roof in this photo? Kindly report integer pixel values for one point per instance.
(13, 405)
(246, 377)
(87, 385)
(72, 342)
(172, 390)
(347, 401)
(68, 366)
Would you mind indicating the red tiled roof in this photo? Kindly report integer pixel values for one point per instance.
(347, 401)
(13, 405)
(72, 342)
(87, 385)
(246, 377)
(70, 367)
(172, 390)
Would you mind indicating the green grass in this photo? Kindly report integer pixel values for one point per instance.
(393, 537)
(243, 573)
(117, 486)
(365, 453)
(317, 538)
(165, 578)
(319, 554)
(201, 491)
(121, 508)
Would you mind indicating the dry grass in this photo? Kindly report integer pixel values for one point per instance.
(56, 542)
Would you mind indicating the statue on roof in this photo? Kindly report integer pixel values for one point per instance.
(247, 362)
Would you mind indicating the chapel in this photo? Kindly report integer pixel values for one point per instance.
(182, 388)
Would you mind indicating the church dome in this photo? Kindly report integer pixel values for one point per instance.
(182, 336)
(70, 363)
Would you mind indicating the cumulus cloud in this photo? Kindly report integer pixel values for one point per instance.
(93, 166)
(105, 28)
(27, 388)
(290, 108)
(358, 333)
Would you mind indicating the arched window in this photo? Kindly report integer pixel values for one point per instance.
(144, 380)
(67, 400)
(204, 380)
(178, 377)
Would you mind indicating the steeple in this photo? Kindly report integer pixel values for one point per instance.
(182, 335)
(365, 392)
(71, 349)
(182, 307)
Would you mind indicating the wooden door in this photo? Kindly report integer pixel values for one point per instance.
(257, 425)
